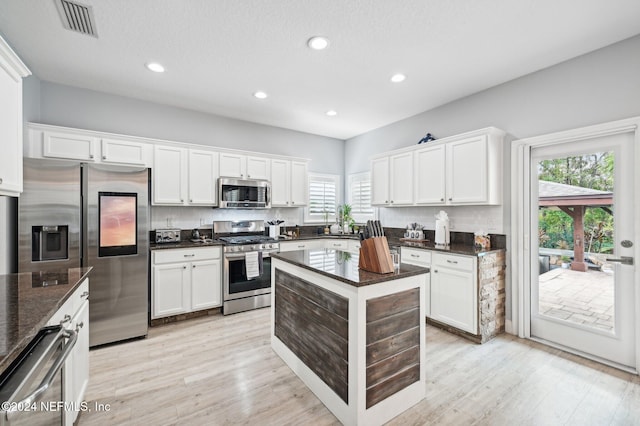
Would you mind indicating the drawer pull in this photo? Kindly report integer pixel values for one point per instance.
(303, 246)
(189, 255)
(337, 245)
(193, 266)
(435, 270)
(85, 294)
(455, 262)
(415, 255)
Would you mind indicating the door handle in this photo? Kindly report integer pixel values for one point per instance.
(625, 260)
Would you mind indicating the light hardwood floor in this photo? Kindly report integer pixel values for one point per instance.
(221, 370)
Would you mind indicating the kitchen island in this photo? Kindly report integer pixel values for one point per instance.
(28, 301)
(355, 338)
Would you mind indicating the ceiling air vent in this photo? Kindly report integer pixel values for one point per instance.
(77, 17)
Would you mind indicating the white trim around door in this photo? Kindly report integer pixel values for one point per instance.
(520, 223)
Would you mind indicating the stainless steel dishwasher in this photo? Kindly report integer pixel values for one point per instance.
(31, 388)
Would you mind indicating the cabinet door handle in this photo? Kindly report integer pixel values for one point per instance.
(79, 325)
(386, 201)
(67, 318)
(450, 199)
(0, 181)
(441, 199)
(455, 262)
(189, 255)
(91, 156)
(85, 294)
(104, 157)
(435, 270)
(415, 255)
(293, 202)
(184, 267)
(193, 266)
(303, 246)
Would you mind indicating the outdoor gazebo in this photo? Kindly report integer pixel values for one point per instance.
(573, 200)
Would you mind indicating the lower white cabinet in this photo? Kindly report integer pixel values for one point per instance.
(185, 280)
(421, 258)
(302, 245)
(454, 293)
(74, 315)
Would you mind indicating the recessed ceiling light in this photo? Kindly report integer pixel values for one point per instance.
(331, 113)
(318, 43)
(154, 66)
(260, 94)
(397, 78)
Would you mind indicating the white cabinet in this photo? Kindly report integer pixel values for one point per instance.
(337, 244)
(464, 169)
(380, 181)
(185, 280)
(203, 178)
(467, 171)
(392, 180)
(353, 246)
(12, 70)
(454, 292)
(169, 177)
(120, 151)
(429, 175)
(70, 146)
(244, 166)
(288, 183)
(315, 244)
(183, 177)
(74, 315)
(422, 258)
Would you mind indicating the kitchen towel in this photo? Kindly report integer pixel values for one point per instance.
(252, 263)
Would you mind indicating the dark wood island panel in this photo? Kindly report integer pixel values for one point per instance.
(314, 324)
(393, 344)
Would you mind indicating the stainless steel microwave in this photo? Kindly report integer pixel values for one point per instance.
(244, 193)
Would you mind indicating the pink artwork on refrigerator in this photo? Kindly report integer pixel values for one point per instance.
(117, 220)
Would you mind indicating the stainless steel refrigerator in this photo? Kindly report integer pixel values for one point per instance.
(73, 214)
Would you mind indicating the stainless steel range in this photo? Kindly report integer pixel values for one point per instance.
(247, 264)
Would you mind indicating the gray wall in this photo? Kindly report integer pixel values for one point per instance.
(86, 109)
(600, 86)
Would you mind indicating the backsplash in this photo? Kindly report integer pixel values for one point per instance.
(196, 217)
(461, 218)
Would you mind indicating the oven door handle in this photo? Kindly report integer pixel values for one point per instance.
(242, 255)
(50, 376)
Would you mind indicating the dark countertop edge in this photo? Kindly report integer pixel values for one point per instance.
(15, 351)
(452, 249)
(406, 271)
(183, 244)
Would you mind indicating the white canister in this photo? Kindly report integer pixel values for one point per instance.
(442, 232)
(274, 231)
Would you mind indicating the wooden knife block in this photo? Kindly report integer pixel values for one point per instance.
(375, 256)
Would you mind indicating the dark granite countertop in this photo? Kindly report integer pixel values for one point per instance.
(343, 266)
(184, 244)
(27, 302)
(464, 249)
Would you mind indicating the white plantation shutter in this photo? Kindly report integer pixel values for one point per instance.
(323, 197)
(360, 197)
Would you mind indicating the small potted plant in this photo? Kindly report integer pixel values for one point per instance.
(346, 218)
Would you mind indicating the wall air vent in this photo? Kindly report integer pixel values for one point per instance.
(77, 17)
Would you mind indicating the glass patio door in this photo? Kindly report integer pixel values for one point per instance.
(582, 230)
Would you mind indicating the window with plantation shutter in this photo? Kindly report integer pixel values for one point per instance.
(359, 196)
(323, 198)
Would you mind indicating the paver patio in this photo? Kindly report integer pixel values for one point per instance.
(585, 298)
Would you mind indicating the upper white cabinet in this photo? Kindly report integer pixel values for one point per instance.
(288, 183)
(120, 151)
(184, 177)
(12, 70)
(244, 166)
(392, 180)
(69, 146)
(460, 170)
(203, 177)
(169, 175)
(429, 175)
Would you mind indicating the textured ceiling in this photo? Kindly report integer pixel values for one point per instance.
(218, 52)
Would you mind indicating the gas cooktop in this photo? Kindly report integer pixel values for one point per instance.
(247, 239)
